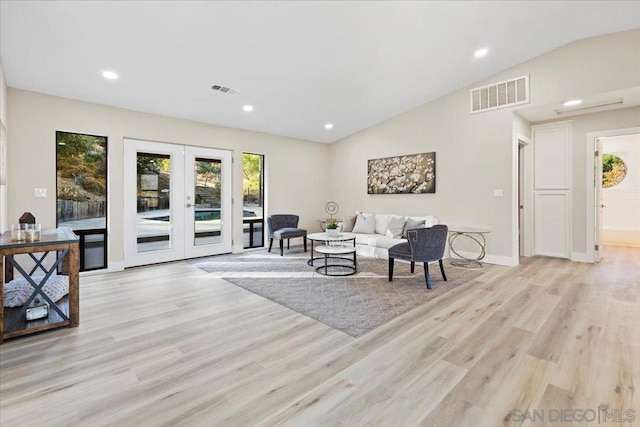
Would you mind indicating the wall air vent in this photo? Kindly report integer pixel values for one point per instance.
(224, 89)
(500, 95)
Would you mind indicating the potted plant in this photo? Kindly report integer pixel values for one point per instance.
(331, 226)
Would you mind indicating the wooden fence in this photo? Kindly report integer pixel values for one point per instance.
(69, 210)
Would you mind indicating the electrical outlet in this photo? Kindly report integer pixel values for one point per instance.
(39, 192)
(497, 192)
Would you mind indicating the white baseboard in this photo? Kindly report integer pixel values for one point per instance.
(494, 259)
(580, 257)
(113, 267)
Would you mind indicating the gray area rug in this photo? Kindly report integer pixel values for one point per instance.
(353, 304)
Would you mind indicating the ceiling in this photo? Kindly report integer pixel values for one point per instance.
(300, 64)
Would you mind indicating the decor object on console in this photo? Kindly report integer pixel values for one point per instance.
(285, 226)
(38, 309)
(424, 245)
(414, 174)
(331, 225)
(331, 208)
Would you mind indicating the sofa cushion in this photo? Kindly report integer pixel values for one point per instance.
(382, 220)
(363, 238)
(429, 220)
(366, 225)
(383, 242)
(395, 227)
(412, 224)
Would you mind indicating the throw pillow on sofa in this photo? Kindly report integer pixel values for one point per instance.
(411, 224)
(382, 221)
(348, 224)
(365, 225)
(395, 227)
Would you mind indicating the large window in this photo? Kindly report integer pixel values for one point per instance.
(253, 200)
(81, 183)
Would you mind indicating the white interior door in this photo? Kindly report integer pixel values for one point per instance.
(552, 189)
(177, 202)
(597, 182)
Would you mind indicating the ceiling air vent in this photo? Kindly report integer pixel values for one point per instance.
(500, 95)
(224, 89)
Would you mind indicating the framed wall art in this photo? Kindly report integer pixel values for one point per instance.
(410, 174)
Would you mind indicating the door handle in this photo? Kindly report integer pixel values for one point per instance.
(603, 206)
(189, 205)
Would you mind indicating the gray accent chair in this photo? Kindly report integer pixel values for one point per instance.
(285, 226)
(424, 245)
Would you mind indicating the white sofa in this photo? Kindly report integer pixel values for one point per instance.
(377, 244)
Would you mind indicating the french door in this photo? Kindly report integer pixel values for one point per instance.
(177, 202)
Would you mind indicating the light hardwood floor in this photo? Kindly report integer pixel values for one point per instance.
(170, 345)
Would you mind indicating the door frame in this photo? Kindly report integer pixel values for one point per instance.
(593, 186)
(179, 211)
(522, 146)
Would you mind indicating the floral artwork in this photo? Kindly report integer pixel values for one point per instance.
(415, 173)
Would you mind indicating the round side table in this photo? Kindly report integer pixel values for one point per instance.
(476, 235)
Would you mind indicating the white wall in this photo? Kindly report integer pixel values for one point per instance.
(295, 173)
(621, 216)
(475, 152)
(3, 120)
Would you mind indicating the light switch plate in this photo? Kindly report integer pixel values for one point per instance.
(498, 192)
(39, 192)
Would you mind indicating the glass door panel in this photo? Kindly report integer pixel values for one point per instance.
(253, 200)
(153, 204)
(208, 191)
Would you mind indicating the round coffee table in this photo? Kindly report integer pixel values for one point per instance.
(328, 240)
(337, 252)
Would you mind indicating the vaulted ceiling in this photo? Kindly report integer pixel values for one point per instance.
(300, 65)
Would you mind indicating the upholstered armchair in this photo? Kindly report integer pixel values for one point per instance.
(424, 245)
(285, 226)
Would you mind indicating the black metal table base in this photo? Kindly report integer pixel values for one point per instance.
(310, 261)
(325, 269)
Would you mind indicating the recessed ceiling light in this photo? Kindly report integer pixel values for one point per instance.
(247, 108)
(573, 102)
(481, 52)
(328, 126)
(110, 75)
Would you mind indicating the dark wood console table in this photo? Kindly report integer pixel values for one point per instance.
(66, 312)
